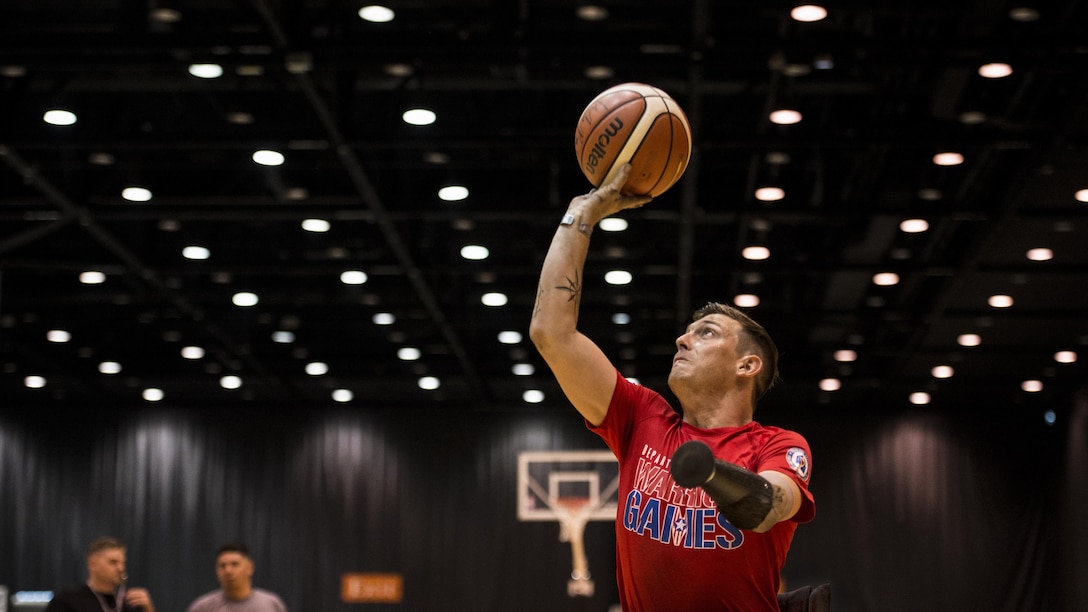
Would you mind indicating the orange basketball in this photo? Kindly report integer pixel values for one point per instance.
(634, 123)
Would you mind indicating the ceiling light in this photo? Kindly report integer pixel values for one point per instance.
(136, 194)
(1032, 386)
(398, 70)
(192, 352)
(913, 226)
(1050, 417)
(195, 252)
(419, 116)
(316, 226)
(808, 13)
(785, 117)
(317, 368)
(206, 71)
(92, 277)
(948, 159)
(621, 318)
(409, 353)
(756, 253)
(99, 158)
(453, 193)
(342, 395)
(999, 301)
(244, 298)
(823, 62)
(494, 299)
(770, 194)
(266, 157)
(59, 117)
(942, 371)
(1082, 195)
(1023, 14)
(972, 117)
(919, 398)
(969, 340)
(353, 277)
(509, 337)
(58, 335)
(1040, 254)
(533, 396)
(152, 394)
(886, 279)
(12, 71)
(109, 367)
(845, 355)
(618, 277)
(1065, 357)
(240, 118)
(830, 384)
(384, 318)
(429, 383)
(613, 224)
(523, 369)
(283, 337)
(592, 12)
(746, 300)
(375, 13)
(474, 252)
(599, 73)
(230, 382)
(994, 70)
(34, 382)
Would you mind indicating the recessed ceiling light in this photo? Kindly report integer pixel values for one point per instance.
(995, 70)
(192, 352)
(592, 12)
(770, 194)
(845, 355)
(282, 336)
(509, 337)
(1082, 195)
(618, 277)
(494, 299)
(59, 117)
(375, 13)
(152, 394)
(419, 116)
(109, 367)
(972, 117)
(475, 252)
(533, 396)
(969, 340)
(316, 226)
(92, 277)
(409, 353)
(136, 194)
(523, 369)
(1065, 357)
(317, 368)
(830, 384)
(919, 398)
(613, 224)
(58, 335)
(398, 70)
(913, 226)
(353, 277)
(1023, 14)
(195, 252)
(429, 383)
(785, 116)
(1000, 301)
(244, 298)
(230, 382)
(948, 158)
(808, 13)
(267, 157)
(1032, 386)
(1040, 254)
(746, 300)
(621, 318)
(34, 382)
(384, 318)
(453, 193)
(942, 371)
(206, 71)
(342, 396)
(756, 253)
(886, 279)
(599, 73)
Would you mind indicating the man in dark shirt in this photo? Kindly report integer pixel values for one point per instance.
(105, 589)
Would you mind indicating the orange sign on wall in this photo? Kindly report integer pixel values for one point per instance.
(371, 588)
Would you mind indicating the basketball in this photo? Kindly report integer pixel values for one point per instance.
(634, 123)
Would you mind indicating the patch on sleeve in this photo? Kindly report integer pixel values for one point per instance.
(798, 462)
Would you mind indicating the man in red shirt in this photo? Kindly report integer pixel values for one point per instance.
(680, 547)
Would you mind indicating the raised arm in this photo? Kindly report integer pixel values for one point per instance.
(585, 374)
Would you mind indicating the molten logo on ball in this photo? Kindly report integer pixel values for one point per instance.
(637, 124)
(600, 149)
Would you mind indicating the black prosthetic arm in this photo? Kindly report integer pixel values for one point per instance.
(743, 498)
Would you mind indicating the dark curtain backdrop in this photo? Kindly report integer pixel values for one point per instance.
(977, 510)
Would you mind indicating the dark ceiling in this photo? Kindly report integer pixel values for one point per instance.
(882, 86)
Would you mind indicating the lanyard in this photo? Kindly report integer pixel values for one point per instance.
(118, 600)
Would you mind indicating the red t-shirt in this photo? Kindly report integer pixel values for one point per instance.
(674, 552)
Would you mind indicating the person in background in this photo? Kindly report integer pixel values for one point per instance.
(236, 593)
(105, 589)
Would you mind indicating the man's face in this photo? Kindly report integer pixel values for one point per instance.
(107, 566)
(233, 570)
(707, 352)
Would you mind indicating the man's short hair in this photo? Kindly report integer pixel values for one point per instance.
(752, 338)
(234, 547)
(104, 543)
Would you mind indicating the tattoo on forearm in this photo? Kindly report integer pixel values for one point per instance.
(539, 297)
(573, 287)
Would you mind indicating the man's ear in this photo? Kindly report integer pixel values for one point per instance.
(749, 365)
